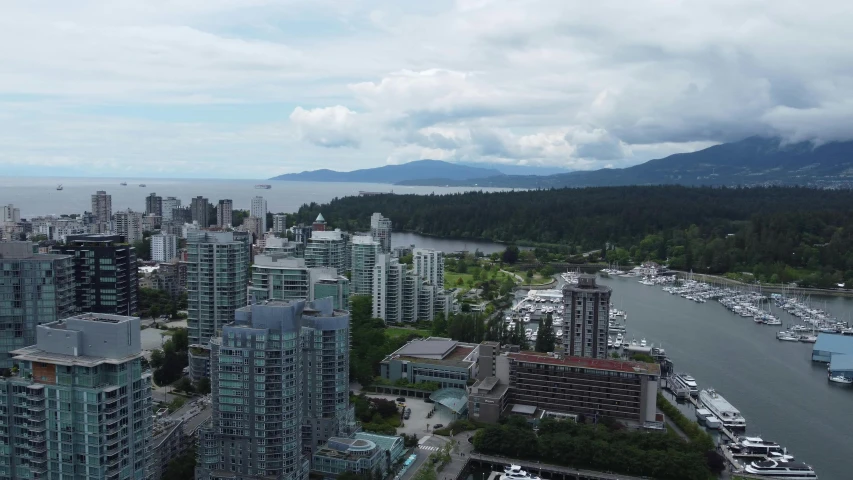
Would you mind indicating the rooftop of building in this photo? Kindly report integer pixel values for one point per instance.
(829, 342)
(35, 354)
(435, 351)
(345, 448)
(590, 363)
(587, 282)
(841, 363)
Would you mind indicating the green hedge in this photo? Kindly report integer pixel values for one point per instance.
(689, 427)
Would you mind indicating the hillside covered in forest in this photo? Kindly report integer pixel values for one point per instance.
(780, 234)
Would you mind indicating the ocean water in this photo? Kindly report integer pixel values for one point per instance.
(39, 196)
(784, 396)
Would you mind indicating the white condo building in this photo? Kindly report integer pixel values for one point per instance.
(364, 252)
(169, 204)
(259, 210)
(129, 225)
(164, 247)
(429, 265)
(380, 230)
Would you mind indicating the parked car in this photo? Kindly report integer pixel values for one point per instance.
(428, 400)
(401, 399)
(407, 415)
(437, 426)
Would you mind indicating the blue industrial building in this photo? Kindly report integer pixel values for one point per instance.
(830, 346)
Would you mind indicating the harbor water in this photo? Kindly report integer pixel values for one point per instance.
(784, 396)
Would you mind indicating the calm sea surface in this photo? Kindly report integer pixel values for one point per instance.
(38, 196)
(784, 396)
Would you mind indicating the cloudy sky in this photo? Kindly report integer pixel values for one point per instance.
(256, 88)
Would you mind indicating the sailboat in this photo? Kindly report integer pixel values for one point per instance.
(59, 187)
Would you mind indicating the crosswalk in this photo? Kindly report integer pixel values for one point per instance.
(428, 447)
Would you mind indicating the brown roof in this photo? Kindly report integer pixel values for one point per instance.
(584, 362)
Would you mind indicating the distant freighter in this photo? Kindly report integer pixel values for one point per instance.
(263, 186)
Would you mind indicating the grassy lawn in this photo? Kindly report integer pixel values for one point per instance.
(399, 332)
(451, 279)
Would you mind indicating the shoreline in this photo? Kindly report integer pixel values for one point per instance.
(774, 288)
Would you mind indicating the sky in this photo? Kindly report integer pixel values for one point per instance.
(257, 88)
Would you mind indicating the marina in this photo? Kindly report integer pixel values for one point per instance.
(766, 379)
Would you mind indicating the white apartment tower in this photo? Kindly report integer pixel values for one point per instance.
(169, 204)
(364, 252)
(164, 247)
(259, 210)
(102, 209)
(380, 230)
(129, 225)
(429, 265)
(279, 223)
(11, 214)
(224, 212)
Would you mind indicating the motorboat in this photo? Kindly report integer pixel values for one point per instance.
(643, 342)
(756, 447)
(515, 472)
(787, 336)
(777, 468)
(840, 378)
(686, 381)
(808, 338)
(609, 342)
(123, 184)
(722, 409)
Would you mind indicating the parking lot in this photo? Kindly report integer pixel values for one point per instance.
(418, 421)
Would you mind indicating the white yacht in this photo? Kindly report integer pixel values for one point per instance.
(722, 409)
(773, 468)
(515, 472)
(757, 447)
(643, 342)
(609, 342)
(840, 378)
(617, 343)
(787, 336)
(683, 380)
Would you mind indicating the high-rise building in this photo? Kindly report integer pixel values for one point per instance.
(327, 249)
(129, 225)
(11, 214)
(34, 288)
(380, 230)
(587, 312)
(164, 247)
(259, 210)
(302, 233)
(279, 223)
(387, 292)
(80, 406)
(217, 283)
(252, 225)
(266, 421)
(199, 210)
(154, 205)
(223, 213)
(364, 252)
(282, 277)
(429, 265)
(105, 273)
(319, 224)
(168, 205)
(102, 209)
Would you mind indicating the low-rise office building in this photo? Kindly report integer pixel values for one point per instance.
(363, 453)
(543, 384)
(441, 360)
(169, 441)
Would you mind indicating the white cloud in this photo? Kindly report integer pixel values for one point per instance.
(331, 127)
(548, 82)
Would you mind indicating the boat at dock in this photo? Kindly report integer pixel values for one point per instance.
(515, 472)
(722, 409)
(683, 380)
(778, 468)
(707, 418)
(840, 378)
(786, 336)
(756, 447)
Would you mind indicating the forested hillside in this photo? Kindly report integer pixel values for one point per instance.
(779, 234)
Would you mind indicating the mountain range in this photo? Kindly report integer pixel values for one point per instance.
(412, 171)
(752, 161)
